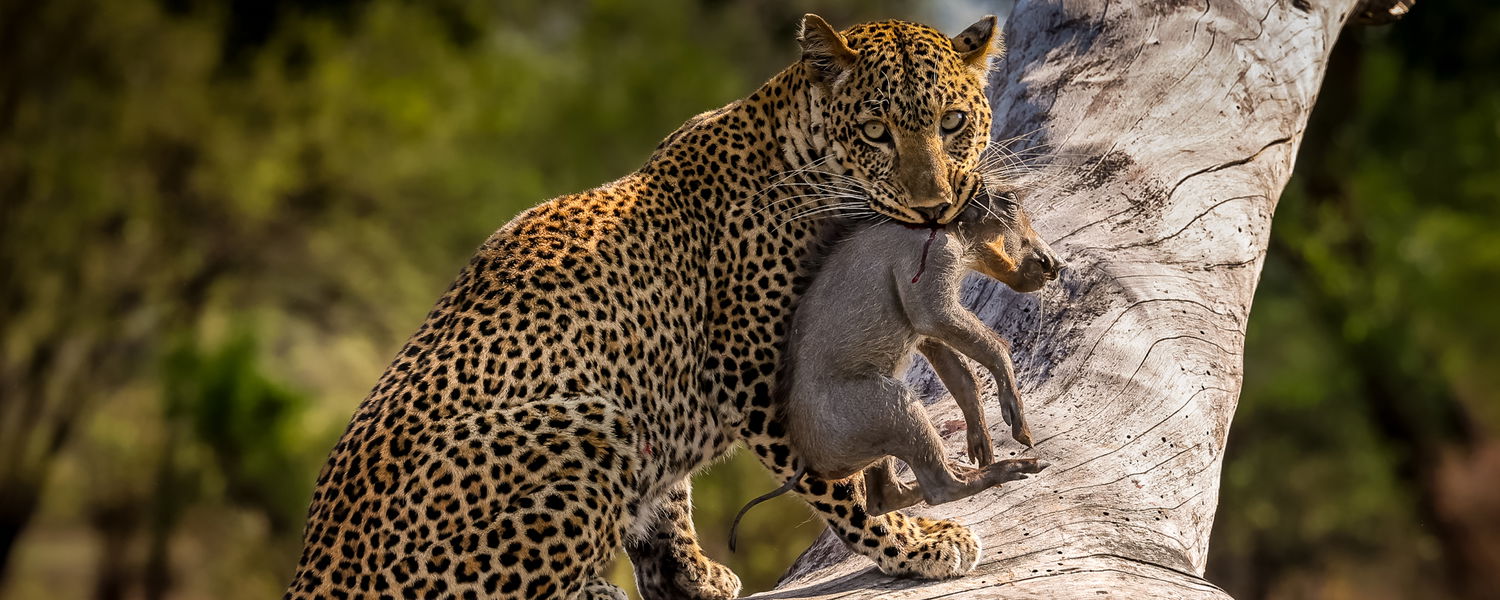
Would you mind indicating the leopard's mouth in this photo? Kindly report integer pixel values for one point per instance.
(936, 217)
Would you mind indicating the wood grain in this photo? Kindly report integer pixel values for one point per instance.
(1169, 129)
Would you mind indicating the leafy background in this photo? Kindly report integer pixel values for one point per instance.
(219, 218)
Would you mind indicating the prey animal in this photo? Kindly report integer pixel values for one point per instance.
(884, 291)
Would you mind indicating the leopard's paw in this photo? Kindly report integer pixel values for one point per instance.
(686, 575)
(599, 589)
(708, 580)
(932, 550)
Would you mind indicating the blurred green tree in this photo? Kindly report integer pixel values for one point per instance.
(1366, 432)
(174, 171)
(177, 173)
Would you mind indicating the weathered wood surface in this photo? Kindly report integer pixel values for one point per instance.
(1175, 126)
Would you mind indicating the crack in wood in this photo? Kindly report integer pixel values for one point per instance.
(1132, 79)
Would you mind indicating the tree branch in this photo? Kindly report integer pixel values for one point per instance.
(1170, 128)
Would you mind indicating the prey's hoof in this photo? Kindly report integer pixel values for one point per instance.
(1021, 433)
(1013, 469)
(981, 449)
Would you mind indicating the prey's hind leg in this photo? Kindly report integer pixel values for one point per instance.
(902, 430)
(900, 546)
(885, 492)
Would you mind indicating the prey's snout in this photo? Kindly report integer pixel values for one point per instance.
(1040, 266)
(1049, 264)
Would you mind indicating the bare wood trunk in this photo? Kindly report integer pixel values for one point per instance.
(1174, 126)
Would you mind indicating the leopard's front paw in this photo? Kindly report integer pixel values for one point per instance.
(932, 550)
(682, 575)
(708, 580)
(600, 589)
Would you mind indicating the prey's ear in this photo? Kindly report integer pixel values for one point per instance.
(980, 43)
(824, 51)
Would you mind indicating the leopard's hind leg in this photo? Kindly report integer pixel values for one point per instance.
(540, 500)
(669, 564)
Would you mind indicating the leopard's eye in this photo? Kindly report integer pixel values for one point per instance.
(875, 131)
(953, 120)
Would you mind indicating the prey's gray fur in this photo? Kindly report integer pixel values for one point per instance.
(854, 333)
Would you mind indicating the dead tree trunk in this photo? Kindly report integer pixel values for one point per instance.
(1172, 128)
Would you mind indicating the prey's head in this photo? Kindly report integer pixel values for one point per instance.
(1006, 246)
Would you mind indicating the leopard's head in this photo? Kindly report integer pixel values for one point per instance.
(902, 110)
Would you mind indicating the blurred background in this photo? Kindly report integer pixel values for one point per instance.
(220, 218)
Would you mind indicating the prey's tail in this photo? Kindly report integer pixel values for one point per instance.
(785, 487)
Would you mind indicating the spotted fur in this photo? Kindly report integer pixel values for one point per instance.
(603, 346)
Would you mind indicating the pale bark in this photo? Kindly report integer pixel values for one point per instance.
(1173, 126)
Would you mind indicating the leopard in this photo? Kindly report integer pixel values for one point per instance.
(601, 347)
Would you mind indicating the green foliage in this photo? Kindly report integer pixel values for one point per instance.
(247, 422)
(177, 174)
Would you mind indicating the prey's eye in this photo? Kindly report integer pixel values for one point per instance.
(953, 120)
(875, 132)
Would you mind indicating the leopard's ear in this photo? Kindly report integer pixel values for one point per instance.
(824, 52)
(980, 43)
